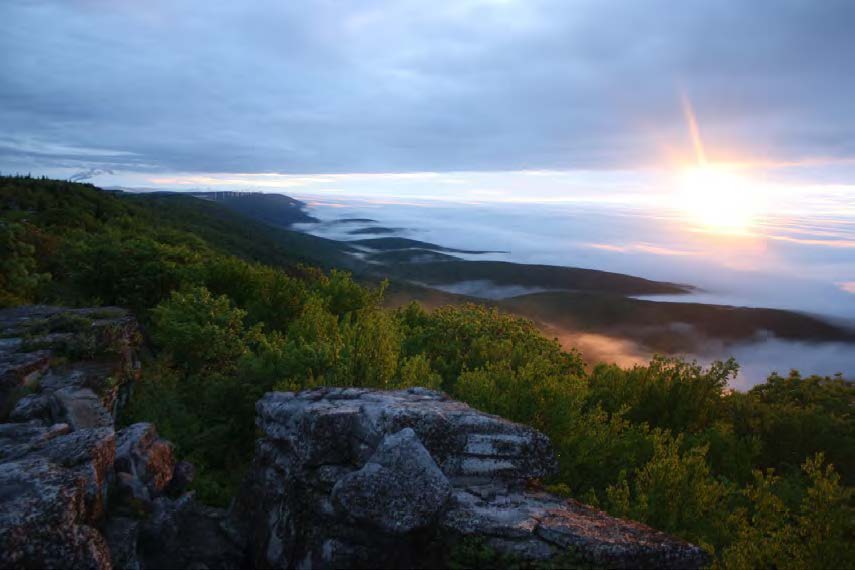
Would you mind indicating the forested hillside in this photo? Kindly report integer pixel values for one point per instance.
(232, 310)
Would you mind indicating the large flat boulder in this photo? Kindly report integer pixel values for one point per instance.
(346, 477)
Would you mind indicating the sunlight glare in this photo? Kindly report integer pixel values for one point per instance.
(718, 199)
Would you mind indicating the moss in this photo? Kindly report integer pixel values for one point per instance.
(66, 322)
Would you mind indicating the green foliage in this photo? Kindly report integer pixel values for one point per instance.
(674, 491)
(668, 393)
(539, 393)
(471, 336)
(797, 417)
(203, 333)
(416, 371)
(132, 272)
(817, 534)
(19, 278)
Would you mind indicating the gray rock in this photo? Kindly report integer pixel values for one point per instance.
(17, 440)
(44, 521)
(86, 454)
(132, 494)
(89, 454)
(32, 407)
(399, 490)
(142, 454)
(19, 369)
(56, 459)
(463, 442)
(80, 408)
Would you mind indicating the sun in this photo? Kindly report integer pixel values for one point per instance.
(718, 198)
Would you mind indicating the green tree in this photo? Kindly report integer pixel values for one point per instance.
(200, 331)
(19, 278)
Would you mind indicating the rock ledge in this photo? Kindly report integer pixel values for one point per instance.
(365, 478)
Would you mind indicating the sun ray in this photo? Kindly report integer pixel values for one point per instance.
(694, 130)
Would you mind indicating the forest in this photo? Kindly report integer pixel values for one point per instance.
(231, 310)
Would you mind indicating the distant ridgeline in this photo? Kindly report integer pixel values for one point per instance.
(274, 209)
(231, 309)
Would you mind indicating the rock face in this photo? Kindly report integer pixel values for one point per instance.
(144, 456)
(73, 366)
(74, 493)
(363, 478)
(53, 490)
(400, 489)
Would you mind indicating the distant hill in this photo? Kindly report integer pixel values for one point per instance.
(374, 230)
(409, 256)
(542, 276)
(274, 209)
(398, 243)
(240, 233)
(670, 327)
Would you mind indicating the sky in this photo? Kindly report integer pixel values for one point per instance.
(278, 95)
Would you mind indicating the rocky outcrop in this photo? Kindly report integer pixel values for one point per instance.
(363, 478)
(53, 490)
(75, 493)
(73, 366)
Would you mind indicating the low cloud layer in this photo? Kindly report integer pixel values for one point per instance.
(383, 86)
(88, 174)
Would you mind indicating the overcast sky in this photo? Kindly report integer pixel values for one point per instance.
(263, 86)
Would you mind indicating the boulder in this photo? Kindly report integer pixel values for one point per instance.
(143, 455)
(346, 477)
(80, 408)
(20, 369)
(53, 491)
(400, 488)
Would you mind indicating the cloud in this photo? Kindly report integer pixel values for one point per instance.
(88, 173)
(401, 86)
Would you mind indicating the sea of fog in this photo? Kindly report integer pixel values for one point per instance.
(789, 262)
